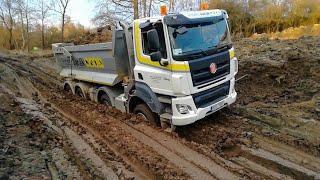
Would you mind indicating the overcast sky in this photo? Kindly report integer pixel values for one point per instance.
(81, 11)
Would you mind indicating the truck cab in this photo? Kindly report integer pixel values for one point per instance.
(187, 60)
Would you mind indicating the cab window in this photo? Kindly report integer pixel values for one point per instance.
(145, 44)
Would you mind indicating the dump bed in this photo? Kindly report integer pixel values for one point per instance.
(103, 63)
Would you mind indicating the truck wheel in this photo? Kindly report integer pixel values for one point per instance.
(144, 111)
(105, 100)
(78, 92)
(67, 88)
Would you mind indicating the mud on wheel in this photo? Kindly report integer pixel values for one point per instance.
(67, 88)
(104, 99)
(79, 92)
(145, 112)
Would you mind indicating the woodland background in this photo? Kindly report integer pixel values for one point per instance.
(25, 24)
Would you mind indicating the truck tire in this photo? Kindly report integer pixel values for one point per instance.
(67, 88)
(144, 111)
(79, 92)
(104, 99)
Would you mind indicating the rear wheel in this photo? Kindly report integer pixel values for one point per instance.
(79, 92)
(105, 100)
(67, 88)
(144, 111)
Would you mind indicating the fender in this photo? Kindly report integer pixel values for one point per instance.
(84, 88)
(108, 91)
(111, 92)
(144, 92)
(71, 84)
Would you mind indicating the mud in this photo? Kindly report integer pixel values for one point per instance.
(271, 132)
(31, 149)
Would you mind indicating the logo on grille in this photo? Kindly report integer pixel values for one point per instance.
(213, 68)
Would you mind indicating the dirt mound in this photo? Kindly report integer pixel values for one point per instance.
(279, 72)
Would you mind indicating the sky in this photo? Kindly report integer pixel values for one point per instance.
(81, 11)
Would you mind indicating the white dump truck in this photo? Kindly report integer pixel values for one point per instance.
(176, 68)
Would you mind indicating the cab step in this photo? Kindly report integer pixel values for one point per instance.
(165, 120)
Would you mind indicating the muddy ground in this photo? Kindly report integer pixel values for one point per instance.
(271, 132)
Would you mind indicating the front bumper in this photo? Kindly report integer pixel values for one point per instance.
(199, 113)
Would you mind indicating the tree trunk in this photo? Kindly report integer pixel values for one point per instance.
(22, 31)
(144, 3)
(62, 27)
(149, 10)
(135, 9)
(11, 45)
(42, 34)
(27, 31)
(171, 7)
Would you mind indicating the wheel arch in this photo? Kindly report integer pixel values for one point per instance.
(144, 94)
(109, 91)
(134, 101)
(70, 84)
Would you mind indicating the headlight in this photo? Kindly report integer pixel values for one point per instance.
(183, 108)
(231, 53)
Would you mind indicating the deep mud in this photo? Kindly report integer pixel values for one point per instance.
(31, 148)
(271, 132)
(278, 99)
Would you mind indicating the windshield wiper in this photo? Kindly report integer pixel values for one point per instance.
(193, 54)
(222, 46)
(217, 48)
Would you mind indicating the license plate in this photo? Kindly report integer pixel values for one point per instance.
(217, 106)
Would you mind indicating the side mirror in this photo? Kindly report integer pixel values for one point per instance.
(153, 40)
(155, 56)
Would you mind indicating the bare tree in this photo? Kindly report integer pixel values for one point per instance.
(144, 4)
(125, 10)
(171, 5)
(43, 13)
(25, 11)
(135, 9)
(7, 12)
(109, 11)
(62, 10)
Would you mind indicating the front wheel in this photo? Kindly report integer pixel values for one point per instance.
(144, 111)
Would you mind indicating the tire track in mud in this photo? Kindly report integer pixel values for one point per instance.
(204, 163)
(191, 162)
(269, 160)
(87, 152)
(185, 164)
(146, 172)
(73, 146)
(194, 170)
(187, 160)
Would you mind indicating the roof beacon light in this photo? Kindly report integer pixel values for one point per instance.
(163, 9)
(204, 6)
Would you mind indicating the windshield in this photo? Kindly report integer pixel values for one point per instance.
(198, 38)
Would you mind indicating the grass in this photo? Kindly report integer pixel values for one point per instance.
(292, 33)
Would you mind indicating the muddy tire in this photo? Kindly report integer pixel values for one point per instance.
(104, 99)
(67, 88)
(79, 92)
(144, 111)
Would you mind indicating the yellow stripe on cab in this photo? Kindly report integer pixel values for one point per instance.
(146, 59)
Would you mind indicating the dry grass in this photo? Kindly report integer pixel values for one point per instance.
(292, 33)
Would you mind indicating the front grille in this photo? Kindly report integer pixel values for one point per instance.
(200, 68)
(211, 96)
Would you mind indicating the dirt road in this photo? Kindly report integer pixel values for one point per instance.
(272, 132)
